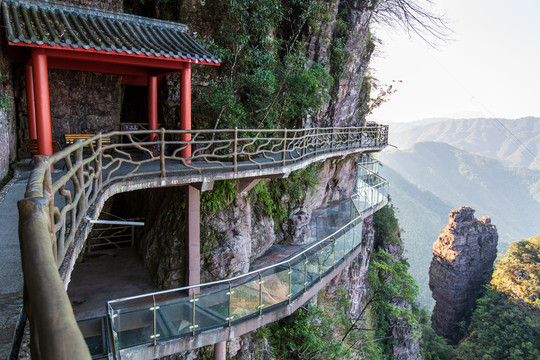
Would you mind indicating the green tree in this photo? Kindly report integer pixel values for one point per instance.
(517, 273)
(501, 329)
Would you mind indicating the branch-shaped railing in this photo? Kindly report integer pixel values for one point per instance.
(149, 319)
(92, 167)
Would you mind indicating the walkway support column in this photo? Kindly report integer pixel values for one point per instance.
(193, 237)
(152, 105)
(43, 109)
(30, 102)
(220, 351)
(185, 107)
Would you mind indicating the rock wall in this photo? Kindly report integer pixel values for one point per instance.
(7, 113)
(463, 257)
(346, 50)
(406, 342)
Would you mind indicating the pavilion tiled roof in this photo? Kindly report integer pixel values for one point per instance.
(59, 25)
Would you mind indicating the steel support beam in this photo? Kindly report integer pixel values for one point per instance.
(43, 110)
(193, 236)
(220, 351)
(30, 102)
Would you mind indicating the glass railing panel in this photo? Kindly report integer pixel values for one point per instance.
(313, 268)
(212, 310)
(245, 299)
(340, 246)
(349, 238)
(275, 288)
(298, 277)
(134, 326)
(327, 257)
(174, 317)
(358, 231)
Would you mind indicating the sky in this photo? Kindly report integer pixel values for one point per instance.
(490, 66)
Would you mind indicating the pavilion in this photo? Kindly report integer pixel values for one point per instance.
(52, 35)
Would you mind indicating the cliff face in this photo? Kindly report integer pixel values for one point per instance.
(463, 257)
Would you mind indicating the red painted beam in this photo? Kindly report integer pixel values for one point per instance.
(43, 111)
(112, 56)
(185, 108)
(134, 80)
(30, 102)
(99, 67)
(152, 106)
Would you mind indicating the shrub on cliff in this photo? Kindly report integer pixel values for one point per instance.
(506, 321)
(517, 274)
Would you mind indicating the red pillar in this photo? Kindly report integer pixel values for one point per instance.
(43, 110)
(193, 237)
(185, 107)
(30, 102)
(152, 106)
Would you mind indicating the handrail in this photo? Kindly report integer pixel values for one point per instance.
(69, 197)
(127, 310)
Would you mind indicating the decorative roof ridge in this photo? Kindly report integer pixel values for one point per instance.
(84, 10)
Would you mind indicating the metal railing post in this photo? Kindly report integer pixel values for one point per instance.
(162, 152)
(290, 283)
(154, 311)
(260, 294)
(193, 324)
(114, 334)
(305, 272)
(320, 261)
(230, 293)
(284, 158)
(235, 152)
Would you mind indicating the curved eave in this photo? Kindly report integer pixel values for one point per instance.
(51, 25)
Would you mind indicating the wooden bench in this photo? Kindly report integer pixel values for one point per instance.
(32, 145)
(71, 138)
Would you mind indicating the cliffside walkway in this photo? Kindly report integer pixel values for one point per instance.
(167, 322)
(55, 211)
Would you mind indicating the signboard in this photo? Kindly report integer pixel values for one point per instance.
(130, 127)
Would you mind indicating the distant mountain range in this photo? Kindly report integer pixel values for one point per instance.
(515, 143)
(429, 179)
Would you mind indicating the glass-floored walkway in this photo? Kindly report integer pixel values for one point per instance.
(146, 320)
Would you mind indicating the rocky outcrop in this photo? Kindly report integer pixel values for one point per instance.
(463, 257)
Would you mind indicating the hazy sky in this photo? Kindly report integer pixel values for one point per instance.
(491, 68)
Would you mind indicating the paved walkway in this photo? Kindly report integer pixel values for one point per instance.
(11, 278)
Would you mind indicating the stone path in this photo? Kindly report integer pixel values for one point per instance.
(11, 278)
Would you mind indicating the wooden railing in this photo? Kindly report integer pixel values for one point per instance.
(68, 197)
